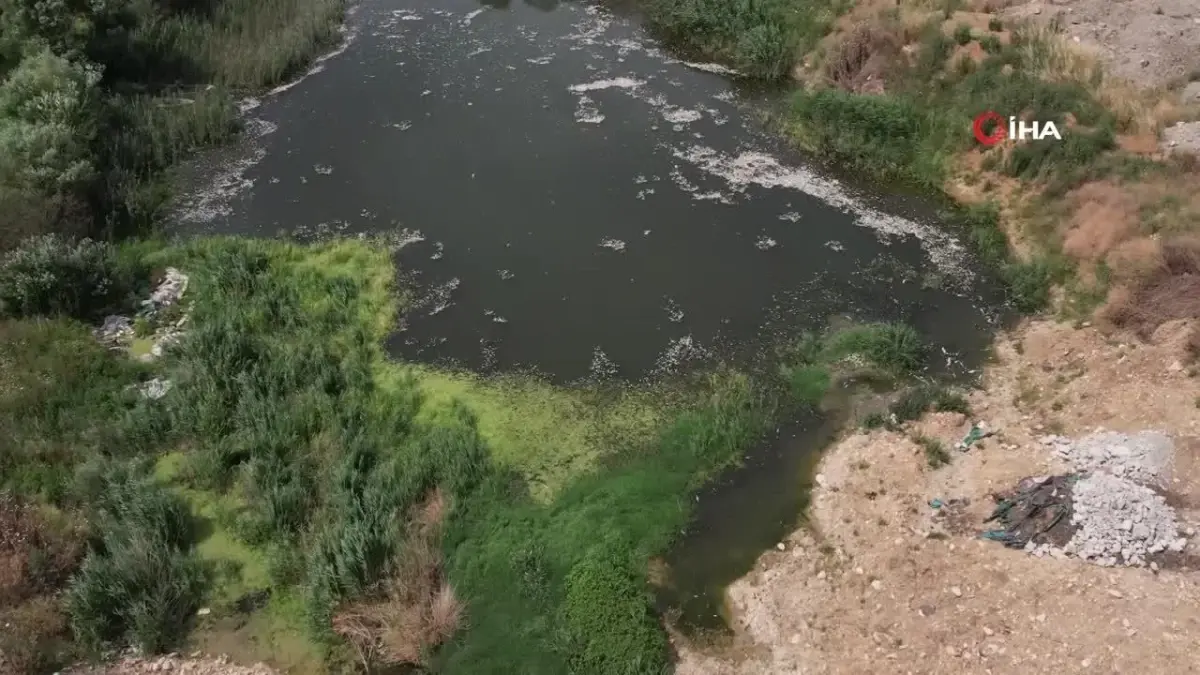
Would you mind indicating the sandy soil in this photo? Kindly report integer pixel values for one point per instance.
(882, 584)
(1149, 42)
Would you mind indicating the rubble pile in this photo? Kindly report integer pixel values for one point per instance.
(119, 332)
(1108, 511)
(1120, 522)
(1142, 457)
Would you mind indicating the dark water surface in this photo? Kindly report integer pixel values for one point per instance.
(573, 200)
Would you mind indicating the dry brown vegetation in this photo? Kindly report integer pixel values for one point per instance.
(35, 561)
(1168, 288)
(414, 609)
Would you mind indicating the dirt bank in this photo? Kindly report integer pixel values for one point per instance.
(881, 583)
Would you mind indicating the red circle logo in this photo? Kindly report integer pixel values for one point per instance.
(998, 132)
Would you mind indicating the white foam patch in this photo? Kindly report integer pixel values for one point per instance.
(681, 115)
(757, 168)
(466, 21)
(714, 68)
(616, 82)
(587, 112)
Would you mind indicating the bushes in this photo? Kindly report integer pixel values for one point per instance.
(894, 347)
(141, 581)
(66, 398)
(609, 620)
(886, 135)
(808, 383)
(49, 276)
(761, 38)
(914, 402)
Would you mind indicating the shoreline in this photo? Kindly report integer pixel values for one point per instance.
(880, 583)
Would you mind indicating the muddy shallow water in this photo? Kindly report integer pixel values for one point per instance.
(575, 201)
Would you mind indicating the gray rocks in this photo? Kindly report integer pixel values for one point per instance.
(1120, 522)
(155, 389)
(1143, 457)
(167, 292)
(115, 332)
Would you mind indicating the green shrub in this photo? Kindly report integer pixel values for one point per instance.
(887, 135)
(995, 24)
(894, 347)
(962, 34)
(610, 622)
(875, 420)
(808, 384)
(1028, 284)
(141, 582)
(49, 275)
(936, 454)
(914, 402)
(991, 44)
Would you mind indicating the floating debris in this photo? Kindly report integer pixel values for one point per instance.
(835, 245)
(642, 194)
(790, 216)
(466, 21)
(618, 82)
(438, 298)
(323, 169)
(681, 116)
(438, 250)
(587, 112)
(674, 311)
(680, 352)
(765, 243)
(613, 244)
(602, 367)
(541, 60)
(403, 125)
(505, 275)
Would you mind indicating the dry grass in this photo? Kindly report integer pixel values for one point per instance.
(1105, 215)
(414, 609)
(34, 559)
(859, 58)
(1164, 286)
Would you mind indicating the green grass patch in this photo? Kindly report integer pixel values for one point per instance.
(761, 38)
(916, 401)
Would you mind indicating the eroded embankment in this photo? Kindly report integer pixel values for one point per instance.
(885, 582)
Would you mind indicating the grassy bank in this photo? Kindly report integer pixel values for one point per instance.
(327, 506)
(891, 90)
(98, 101)
(292, 472)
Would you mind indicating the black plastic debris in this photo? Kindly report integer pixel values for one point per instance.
(1038, 510)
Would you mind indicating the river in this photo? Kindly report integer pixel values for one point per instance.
(577, 202)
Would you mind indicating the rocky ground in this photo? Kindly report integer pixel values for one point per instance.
(884, 582)
(1149, 42)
